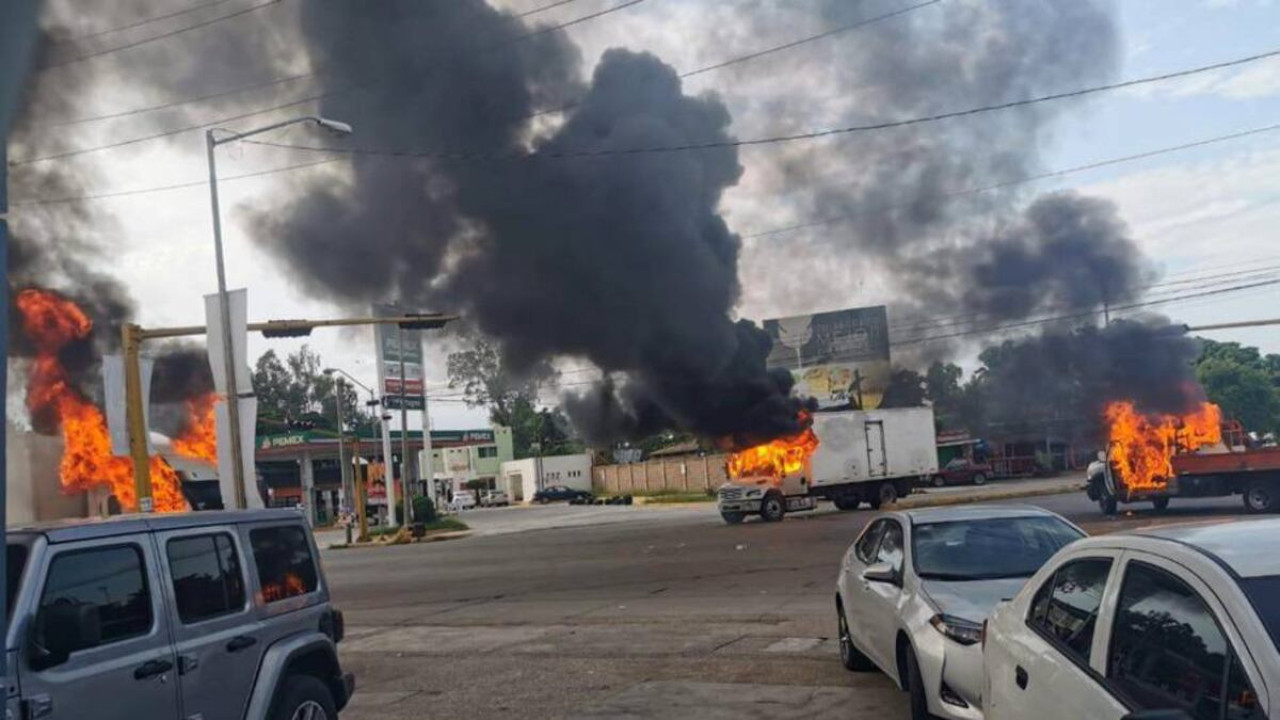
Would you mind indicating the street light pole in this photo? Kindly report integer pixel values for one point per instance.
(384, 419)
(224, 302)
(347, 487)
(404, 433)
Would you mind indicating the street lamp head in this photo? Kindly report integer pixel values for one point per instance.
(329, 371)
(336, 127)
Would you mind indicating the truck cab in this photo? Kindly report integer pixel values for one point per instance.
(769, 497)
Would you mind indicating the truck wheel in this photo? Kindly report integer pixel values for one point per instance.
(733, 518)
(1107, 504)
(773, 509)
(303, 697)
(939, 481)
(846, 503)
(979, 479)
(1259, 497)
(1160, 504)
(886, 494)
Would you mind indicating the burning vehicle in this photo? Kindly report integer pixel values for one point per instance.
(847, 457)
(1157, 457)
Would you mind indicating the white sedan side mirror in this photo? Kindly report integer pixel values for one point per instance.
(881, 572)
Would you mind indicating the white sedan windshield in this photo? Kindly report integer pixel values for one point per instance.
(987, 549)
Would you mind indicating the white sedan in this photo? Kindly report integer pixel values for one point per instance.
(1167, 623)
(916, 586)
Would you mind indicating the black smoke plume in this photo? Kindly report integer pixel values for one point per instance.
(624, 262)
(1059, 383)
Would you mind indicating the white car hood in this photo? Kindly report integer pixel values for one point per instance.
(971, 600)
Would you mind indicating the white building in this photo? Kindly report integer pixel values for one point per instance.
(522, 478)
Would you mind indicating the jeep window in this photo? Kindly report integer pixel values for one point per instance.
(110, 581)
(207, 580)
(15, 562)
(283, 558)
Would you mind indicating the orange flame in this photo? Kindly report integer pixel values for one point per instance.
(290, 586)
(1143, 446)
(777, 458)
(50, 322)
(200, 439)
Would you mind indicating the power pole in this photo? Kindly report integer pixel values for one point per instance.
(348, 488)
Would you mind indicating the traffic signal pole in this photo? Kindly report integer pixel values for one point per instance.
(135, 404)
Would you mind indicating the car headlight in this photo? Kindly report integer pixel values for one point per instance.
(958, 629)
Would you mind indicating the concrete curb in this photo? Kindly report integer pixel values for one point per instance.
(922, 501)
(437, 537)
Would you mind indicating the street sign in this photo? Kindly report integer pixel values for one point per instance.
(411, 402)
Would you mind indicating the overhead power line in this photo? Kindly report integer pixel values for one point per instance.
(776, 231)
(1033, 178)
(478, 155)
(140, 23)
(300, 101)
(1079, 315)
(810, 38)
(544, 8)
(155, 38)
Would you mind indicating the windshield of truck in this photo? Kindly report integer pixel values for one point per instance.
(15, 563)
(989, 548)
(1264, 594)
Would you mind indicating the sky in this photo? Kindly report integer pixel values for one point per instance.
(1205, 210)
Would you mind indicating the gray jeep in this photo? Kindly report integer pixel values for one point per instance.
(198, 616)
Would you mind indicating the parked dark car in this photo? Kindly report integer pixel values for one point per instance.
(557, 493)
(962, 471)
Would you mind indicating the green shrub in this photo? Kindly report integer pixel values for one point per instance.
(424, 510)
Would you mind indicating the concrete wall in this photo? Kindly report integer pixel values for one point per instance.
(33, 490)
(522, 478)
(684, 474)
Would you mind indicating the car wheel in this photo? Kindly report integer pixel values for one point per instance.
(886, 494)
(772, 508)
(1107, 504)
(733, 518)
(939, 481)
(979, 479)
(1259, 497)
(1160, 504)
(303, 697)
(915, 687)
(850, 656)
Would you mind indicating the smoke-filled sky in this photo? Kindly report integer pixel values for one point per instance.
(498, 239)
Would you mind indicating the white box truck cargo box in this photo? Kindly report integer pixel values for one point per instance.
(870, 445)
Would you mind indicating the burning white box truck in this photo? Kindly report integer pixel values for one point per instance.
(848, 457)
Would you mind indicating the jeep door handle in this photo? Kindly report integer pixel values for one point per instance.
(151, 668)
(240, 642)
(1020, 677)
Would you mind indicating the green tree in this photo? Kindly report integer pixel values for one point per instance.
(1244, 392)
(296, 392)
(512, 400)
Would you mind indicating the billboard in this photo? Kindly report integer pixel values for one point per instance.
(841, 358)
(389, 345)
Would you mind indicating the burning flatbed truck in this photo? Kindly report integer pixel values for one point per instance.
(1195, 455)
(847, 457)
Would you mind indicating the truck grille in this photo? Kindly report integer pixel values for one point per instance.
(731, 493)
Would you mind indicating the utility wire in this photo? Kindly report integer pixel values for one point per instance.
(154, 38)
(1034, 178)
(810, 38)
(544, 8)
(759, 54)
(776, 231)
(140, 23)
(310, 98)
(1091, 313)
(778, 139)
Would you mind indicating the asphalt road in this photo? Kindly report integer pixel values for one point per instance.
(662, 613)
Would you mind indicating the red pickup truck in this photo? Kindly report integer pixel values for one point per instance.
(961, 471)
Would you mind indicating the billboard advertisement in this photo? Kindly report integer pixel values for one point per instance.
(389, 345)
(841, 358)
